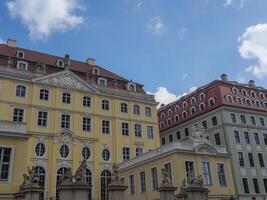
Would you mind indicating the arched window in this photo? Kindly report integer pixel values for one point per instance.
(86, 101)
(60, 172)
(20, 91)
(40, 172)
(163, 115)
(177, 108)
(193, 110)
(184, 104)
(212, 102)
(229, 99)
(169, 121)
(193, 101)
(257, 103)
(244, 92)
(202, 97)
(40, 149)
(202, 106)
(248, 102)
(169, 112)
(176, 118)
(184, 114)
(105, 181)
(235, 90)
(64, 151)
(86, 153)
(253, 94)
(105, 154)
(161, 124)
(88, 180)
(238, 100)
(261, 95)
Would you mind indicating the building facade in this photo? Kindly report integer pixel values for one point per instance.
(233, 115)
(181, 159)
(56, 112)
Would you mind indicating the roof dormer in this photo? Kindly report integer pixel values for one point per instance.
(60, 63)
(131, 86)
(95, 71)
(20, 54)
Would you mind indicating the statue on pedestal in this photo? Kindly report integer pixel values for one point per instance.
(80, 174)
(67, 176)
(30, 180)
(166, 177)
(115, 175)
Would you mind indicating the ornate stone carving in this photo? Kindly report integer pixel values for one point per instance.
(80, 174)
(195, 181)
(30, 180)
(166, 177)
(41, 68)
(67, 176)
(115, 180)
(198, 136)
(183, 187)
(66, 138)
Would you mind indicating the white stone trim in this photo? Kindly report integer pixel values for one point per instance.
(225, 172)
(24, 62)
(11, 162)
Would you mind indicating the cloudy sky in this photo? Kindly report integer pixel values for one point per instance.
(170, 46)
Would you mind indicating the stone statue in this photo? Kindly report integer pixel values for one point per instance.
(166, 176)
(183, 186)
(115, 174)
(33, 177)
(25, 182)
(198, 136)
(195, 181)
(199, 181)
(80, 174)
(41, 68)
(9, 61)
(30, 180)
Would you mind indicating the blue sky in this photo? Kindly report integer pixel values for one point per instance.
(170, 46)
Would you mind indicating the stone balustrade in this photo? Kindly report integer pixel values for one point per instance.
(12, 127)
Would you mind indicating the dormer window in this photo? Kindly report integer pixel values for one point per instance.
(60, 63)
(95, 71)
(131, 86)
(20, 54)
(229, 99)
(102, 82)
(21, 65)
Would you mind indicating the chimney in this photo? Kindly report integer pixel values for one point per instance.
(90, 61)
(224, 77)
(11, 43)
(251, 83)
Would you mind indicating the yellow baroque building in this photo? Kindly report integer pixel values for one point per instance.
(182, 160)
(55, 112)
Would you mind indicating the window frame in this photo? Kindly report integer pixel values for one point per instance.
(10, 173)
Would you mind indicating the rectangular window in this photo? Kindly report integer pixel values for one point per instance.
(190, 169)
(256, 137)
(86, 124)
(262, 121)
(66, 97)
(170, 138)
(241, 159)
(5, 163)
(154, 177)
(105, 127)
(204, 124)
(243, 119)
(138, 130)
(245, 185)
(125, 128)
(44, 94)
(186, 132)
(124, 108)
(265, 138)
(150, 133)
(163, 141)
(168, 168)
(136, 109)
(18, 115)
(214, 121)
(237, 138)
(143, 181)
(206, 173)
(221, 174)
(148, 112)
(131, 183)
(126, 153)
(233, 117)
(251, 160)
(217, 139)
(139, 151)
(178, 135)
(261, 161)
(253, 121)
(105, 105)
(65, 121)
(42, 118)
(265, 184)
(246, 136)
(256, 185)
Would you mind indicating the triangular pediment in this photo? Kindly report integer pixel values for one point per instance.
(66, 79)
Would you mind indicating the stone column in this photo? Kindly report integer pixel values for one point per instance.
(116, 191)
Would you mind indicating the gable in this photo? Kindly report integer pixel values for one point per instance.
(66, 79)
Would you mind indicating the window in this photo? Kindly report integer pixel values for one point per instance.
(22, 65)
(163, 115)
(177, 108)
(65, 121)
(125, 153)
(20, 54)
(265, 138)
(170, 138)
(131, 183)
(168, 169)
(138, 151)
(190, 169)
(245, 185)
(86, 101)
(214, 121)
(247, 139)
(169, 112)
(18, 115)
(251, 160)
(86, 153)
(142, 181)
(105, 127)
(257, 103)
(235, 91)
(221, 174)
(265, 184)
(163, 141)
(60, 172)
(204, 124)
(193, 101)
(186, 132)
(86, 124)
(64, 151)
(136, 110)
(5, 163)
(138, 130)
(212, 102)
(238, 100)
(154, 177)
(241, 159)
(256, 137)
(252, 93)
(162, 124)
(40, 172)
(236, 135)
(253, 121)
(66, 97)
(262, 121)
(261, 161)
(44, 94)
(150, 133)
(40, 149)
(229, 99)
(124, 107)
(217, 138)
(233, 117)
(105, 181)
(202, 97)
(20, 91)
(148, 112)
(206, 173)
(42, 118)
(184, 104)
(248, 102)
(243, 119)
(60, 63)
(244, 92)
(256, 185)
(169, 121)
(125, 128)
(102, 81)
(202, 107)
(132, 88)
(178, 135)
(105, 105)
(88, 179)
(105, 154)
(193, 110)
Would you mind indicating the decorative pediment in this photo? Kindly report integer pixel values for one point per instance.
(205, 148)
(66, 79)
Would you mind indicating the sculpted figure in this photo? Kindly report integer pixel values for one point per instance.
(80, 174)
(33, 177)
(25, 182)
(67, 176)
(183, 186)
(166, 176)
(115, 174)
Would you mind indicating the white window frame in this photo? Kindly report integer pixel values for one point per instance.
(110, 125)
(23, 62)
(85, 98)
(25, 91)
(102, 79)
(109, 104)
(66, 92)
(18, 52)
(89, 117)
(37, 118)
(209, 173)
(70, 125)
(151, 178)
(11, 163)
(60, 65)
(125, 146)
(40, 94)
(193, 165)
(24, 114)
(225, 174)
(40, 142)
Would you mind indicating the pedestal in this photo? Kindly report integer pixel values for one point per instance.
(197, 193)
(29, 193)
(167, 192)
(182, 196)
(74, 191)
(116, 192)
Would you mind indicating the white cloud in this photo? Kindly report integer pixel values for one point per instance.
(181, 32)
(43, 17)
(2, 41)
(156, 26)
(164, 96)
(234, 3)
(253, 45)
(185, 76)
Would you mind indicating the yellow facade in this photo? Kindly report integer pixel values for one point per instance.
(27, 134)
